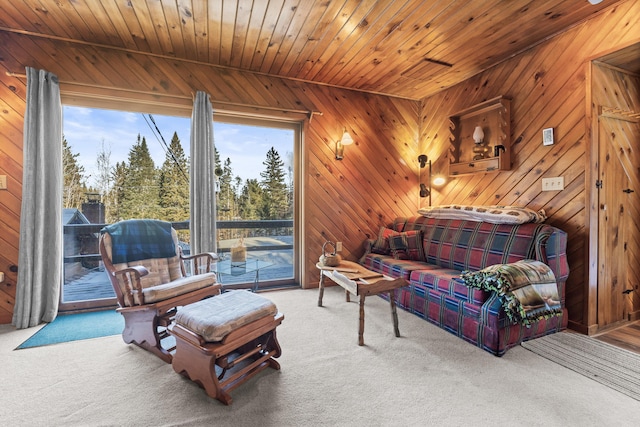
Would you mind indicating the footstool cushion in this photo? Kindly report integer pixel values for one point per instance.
(213, 318)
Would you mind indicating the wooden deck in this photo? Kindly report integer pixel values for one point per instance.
(95, 283)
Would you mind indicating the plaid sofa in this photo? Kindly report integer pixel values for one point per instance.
(436, 292)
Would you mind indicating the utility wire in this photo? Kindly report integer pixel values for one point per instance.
(166, 148)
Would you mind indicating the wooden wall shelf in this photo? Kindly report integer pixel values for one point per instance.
(494, 116)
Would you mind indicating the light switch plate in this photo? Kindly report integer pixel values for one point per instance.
(3, 182)
(553, 184)
(547, 136)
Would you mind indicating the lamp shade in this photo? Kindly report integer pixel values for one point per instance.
(478, 134)
(346, 139)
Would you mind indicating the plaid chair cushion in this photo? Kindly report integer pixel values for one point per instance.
(174, 288)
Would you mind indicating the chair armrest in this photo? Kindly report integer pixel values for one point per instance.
(203, 263)
(130, 277)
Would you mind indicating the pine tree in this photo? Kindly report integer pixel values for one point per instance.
(226, 196)
(140, 189)
(73, 179)
(274, 202)
(118, 178)
(250, 200)
(290, 185)
(174, 183)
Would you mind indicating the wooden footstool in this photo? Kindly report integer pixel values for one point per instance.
(223, 341)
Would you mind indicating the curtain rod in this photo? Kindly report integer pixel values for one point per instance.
(308, 113)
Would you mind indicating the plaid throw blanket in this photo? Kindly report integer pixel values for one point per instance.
(136, 239)
(528, 289)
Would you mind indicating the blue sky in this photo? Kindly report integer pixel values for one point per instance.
(246, 146)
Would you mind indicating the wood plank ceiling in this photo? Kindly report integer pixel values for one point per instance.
(404, 48)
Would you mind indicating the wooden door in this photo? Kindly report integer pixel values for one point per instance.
(619, 216)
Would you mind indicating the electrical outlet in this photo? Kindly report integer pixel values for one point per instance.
(338, 246)
(3, 182)
(553, 184)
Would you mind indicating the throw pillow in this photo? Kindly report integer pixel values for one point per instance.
(407, 245)
(381, 244)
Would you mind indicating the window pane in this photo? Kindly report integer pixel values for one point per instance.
(255, 202)
(121, 165)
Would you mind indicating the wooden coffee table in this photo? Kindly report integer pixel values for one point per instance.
(357, 280)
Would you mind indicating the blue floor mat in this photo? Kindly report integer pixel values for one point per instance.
(73, 327)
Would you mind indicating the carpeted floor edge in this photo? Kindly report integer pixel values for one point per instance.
(614, 367)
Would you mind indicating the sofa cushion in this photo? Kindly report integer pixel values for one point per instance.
(407, 245)
(448, 282)
(471, 245)
(390, 266)
(381, 244)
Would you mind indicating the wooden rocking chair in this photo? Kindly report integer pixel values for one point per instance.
(148, 273)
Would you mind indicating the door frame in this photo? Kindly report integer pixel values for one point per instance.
(590, 323)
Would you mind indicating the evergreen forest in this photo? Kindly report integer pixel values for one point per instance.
(137, 188)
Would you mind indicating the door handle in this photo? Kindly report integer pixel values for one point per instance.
(628, 191)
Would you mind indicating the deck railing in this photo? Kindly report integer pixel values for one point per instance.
(262, 238)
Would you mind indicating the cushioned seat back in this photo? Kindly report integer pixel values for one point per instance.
(161, 270)
(472, 245)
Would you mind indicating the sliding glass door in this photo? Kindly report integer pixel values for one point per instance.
(121, 165)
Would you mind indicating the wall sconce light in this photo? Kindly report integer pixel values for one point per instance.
(345, 140)
(424, 190)
(437, 181)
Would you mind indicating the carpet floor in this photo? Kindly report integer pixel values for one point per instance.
(609, 365)
(425, 377)
(74, 327)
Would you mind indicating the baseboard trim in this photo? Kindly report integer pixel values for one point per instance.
(583, 329)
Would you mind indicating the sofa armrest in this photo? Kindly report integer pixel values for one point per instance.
(554, 254)
(367, 245)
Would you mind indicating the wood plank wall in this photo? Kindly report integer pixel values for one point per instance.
(547, 85)
(344, 200)
(378, 179)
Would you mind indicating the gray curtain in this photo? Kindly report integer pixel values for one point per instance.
(40, 255)
(202, 184)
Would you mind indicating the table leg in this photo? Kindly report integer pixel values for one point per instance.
(361, 325)
(394, 314)
(321, 289)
